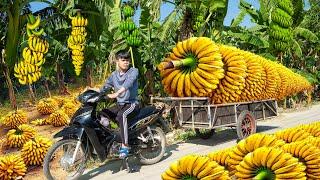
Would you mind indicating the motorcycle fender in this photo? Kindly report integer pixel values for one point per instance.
(71, 131)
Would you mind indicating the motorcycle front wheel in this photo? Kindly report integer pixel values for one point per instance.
(61, 161)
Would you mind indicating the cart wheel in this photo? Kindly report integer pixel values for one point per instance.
(204, 133)
(246, 124)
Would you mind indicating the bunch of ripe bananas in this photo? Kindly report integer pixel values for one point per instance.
(198, 67)
(17, 137)
(28, 70)
(58, 118)
(15, 118)
(35, 150)
(195, 167)
(270, 163)
(306, 153)
(47, 106)
(39, 122)
(77, 40)
(69, 108)
(12, 166)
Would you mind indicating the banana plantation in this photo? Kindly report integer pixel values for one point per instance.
(237, 61)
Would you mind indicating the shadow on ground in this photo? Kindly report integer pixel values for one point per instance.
(218, 138)
(114, 166)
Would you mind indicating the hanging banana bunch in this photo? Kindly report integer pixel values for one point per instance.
(129, 30)
(77, 40)
(28, 70)
(226, 74)
(280, 27)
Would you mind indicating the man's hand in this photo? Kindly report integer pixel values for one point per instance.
(113, 95)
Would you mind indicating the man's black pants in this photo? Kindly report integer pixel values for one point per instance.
(120, 113)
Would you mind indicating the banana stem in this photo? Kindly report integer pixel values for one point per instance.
(132, 59)
(263, 175)
(187, 62)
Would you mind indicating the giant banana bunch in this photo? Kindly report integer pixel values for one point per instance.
(308, 154)
(280, 31)
(15, 118)
(17, 137)
(248, 145)
(28, 70)
(195, 167)
(198, 67)
(292, 135)
(47, 106)
(193, 68)
(12, 166)
(270, 163)
(35, 149)
(58, 118)
(77, 40)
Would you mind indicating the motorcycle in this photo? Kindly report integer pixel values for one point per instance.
(85, 137)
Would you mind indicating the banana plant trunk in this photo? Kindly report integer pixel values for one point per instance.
(32, 95)
(46, 85)
(62, 88)
(89, 76)
(12, 95)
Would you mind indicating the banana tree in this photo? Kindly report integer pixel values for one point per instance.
(15, 13)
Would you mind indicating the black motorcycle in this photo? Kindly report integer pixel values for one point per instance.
(85, 137)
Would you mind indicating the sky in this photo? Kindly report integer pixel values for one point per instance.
(166, 8)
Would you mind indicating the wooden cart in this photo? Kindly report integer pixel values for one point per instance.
(197, 113)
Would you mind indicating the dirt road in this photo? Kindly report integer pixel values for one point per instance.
(223, 139)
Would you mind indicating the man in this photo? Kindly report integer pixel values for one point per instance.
(124, 81)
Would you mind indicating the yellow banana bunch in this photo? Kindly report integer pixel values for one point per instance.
(193, 68)
(199, 67)
(195, 167)
(77, 40)
(308, 154)
(270, 163)
(69, 108)
(12, 166)
(58, 118)
(47, 106)
(292, 135)
(28, 71)
(250, 144)
(35, 149)
(17, 137)
(15, 118)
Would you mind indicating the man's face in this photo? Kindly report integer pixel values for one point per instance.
(123, 64)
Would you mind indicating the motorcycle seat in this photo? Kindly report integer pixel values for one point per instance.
(143, 112)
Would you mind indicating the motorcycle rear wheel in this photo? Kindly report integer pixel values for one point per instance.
(52, 160)
(160, 143)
